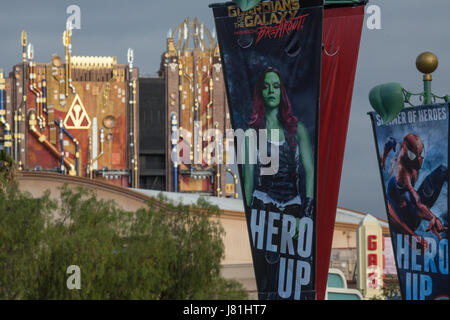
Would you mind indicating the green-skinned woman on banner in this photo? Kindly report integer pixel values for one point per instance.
(280, 191)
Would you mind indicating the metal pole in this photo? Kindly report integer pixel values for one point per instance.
(427, 89)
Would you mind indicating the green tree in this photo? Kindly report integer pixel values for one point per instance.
(390, 290)
(7, 167)
(164, 251)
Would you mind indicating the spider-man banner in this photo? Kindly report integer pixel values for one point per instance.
(271, 57)
(413, 159)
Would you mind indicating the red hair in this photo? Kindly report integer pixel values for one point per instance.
(258, 117)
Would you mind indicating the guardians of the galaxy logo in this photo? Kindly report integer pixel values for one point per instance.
(284, 7)
(282, 29)
(274, 19)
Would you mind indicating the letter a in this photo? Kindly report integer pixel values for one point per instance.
(374, 21)
(74, 281)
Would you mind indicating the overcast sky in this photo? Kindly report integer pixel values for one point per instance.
(109, 28)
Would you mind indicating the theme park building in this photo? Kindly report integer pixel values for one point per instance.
(77, 117)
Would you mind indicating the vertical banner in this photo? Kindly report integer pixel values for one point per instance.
(271, 57)
(412, 151)
(342, 28)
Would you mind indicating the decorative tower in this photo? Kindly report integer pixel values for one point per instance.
(78, 116)
(195, 104)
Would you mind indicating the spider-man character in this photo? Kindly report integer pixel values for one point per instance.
(406, 206)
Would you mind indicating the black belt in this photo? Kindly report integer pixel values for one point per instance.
(295, 210)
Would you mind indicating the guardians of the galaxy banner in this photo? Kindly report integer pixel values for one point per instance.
(413, 157)
(271, 57)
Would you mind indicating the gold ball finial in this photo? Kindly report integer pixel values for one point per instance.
(427, 62)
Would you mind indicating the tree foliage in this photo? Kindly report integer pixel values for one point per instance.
(390, 289)
(7, 167)
(164, 251)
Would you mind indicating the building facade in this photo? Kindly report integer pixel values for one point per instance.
(196, 112)
(77, 117)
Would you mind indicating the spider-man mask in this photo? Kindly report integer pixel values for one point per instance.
(414, 151)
